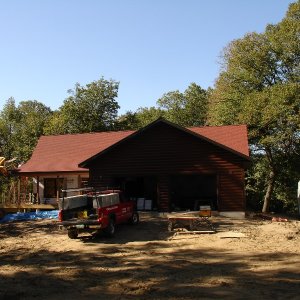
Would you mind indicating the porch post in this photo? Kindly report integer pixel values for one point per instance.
(38, 189)
(79, 181)
(57, 189)
(19, 190)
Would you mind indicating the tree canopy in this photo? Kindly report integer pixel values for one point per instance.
(260, 85)
(89, 108)
(186, 109)
(21, 126)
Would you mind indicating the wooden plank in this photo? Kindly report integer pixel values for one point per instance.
(28, 206)
(231, 234)
(187, 218)
(194, 232)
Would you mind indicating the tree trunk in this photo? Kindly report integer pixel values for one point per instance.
(267, 198)
(271, 182)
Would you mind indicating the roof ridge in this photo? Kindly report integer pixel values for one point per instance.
(132, 130)
(88, 133)
(215, 126)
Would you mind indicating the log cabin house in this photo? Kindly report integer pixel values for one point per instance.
(163, 166)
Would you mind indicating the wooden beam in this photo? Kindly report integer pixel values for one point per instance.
(57, 189)
(38, 189)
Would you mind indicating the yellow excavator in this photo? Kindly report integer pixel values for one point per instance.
(3, 169)
(6, 165)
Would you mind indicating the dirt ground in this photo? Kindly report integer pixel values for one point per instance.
(39, 261)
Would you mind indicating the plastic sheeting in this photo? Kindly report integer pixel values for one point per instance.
(46, 214)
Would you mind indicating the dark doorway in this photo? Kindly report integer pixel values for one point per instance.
(135, 187)
(188, 192)
(52, 186)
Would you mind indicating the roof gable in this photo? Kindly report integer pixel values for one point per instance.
(231, 138)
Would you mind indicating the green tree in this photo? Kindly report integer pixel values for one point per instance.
(188, 108)
(57, 124)
(89, 108)
(21, 126)
(139, 119)
(9, 117)
(260, 85)
(148, 115)
(128, 121)
(33, 117)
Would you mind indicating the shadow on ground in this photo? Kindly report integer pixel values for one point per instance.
(148, 267)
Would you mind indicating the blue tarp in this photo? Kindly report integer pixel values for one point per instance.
(48, 214)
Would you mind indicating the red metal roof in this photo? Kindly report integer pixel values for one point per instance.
(63, 153)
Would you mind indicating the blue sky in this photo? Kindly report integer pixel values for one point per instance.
(149, 46)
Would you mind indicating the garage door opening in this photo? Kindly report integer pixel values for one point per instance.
(140, 188)
(188, 192)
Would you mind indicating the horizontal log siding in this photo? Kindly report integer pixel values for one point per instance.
(232, 191)
(163, 151)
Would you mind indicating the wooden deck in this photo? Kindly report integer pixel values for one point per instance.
(26, 207)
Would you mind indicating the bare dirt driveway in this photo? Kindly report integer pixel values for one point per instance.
(38, 261)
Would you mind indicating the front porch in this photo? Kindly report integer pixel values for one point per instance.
(41, 191)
